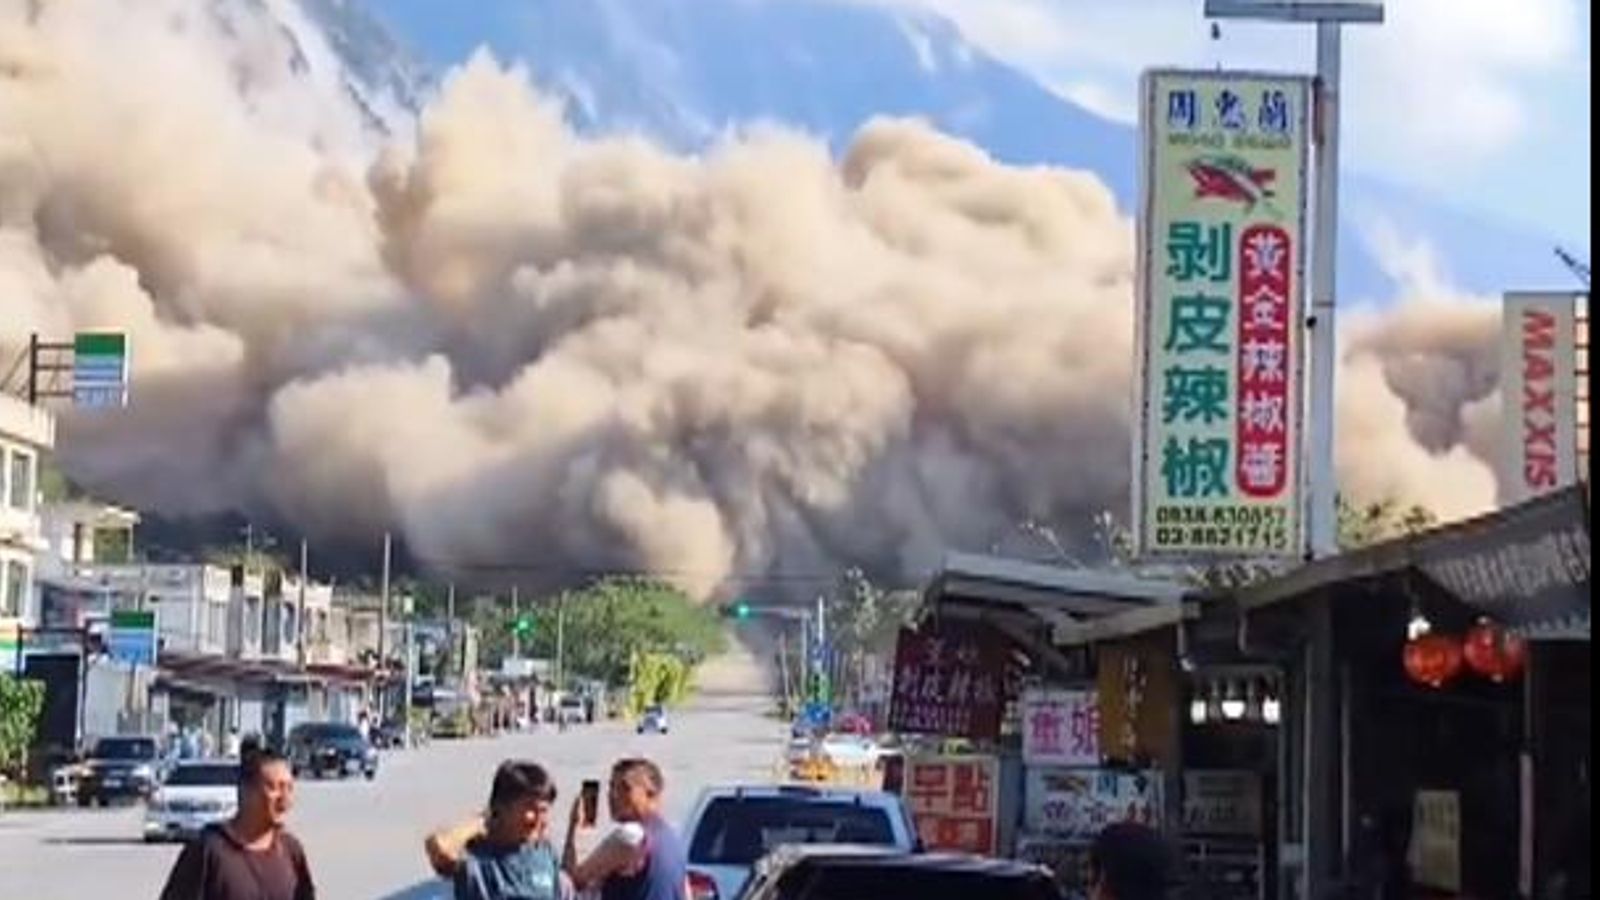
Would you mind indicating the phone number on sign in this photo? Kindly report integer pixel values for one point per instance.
(1223, 527)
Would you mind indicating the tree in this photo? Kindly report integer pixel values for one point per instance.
(20, 705)
(604, 625)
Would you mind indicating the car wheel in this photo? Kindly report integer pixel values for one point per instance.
(85, 801)
(371, 774)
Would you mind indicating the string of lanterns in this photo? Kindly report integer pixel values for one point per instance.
(1488, 650)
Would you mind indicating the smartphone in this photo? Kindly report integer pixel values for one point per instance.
(590, 794)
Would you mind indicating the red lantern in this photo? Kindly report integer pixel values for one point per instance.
(1494, 654)
(1433, 659)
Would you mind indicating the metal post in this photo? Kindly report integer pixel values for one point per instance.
(561, 644)
(300, 610)
(516, 630)
(383, 628)
(33, 369)
(406, 693)
(1322, 513)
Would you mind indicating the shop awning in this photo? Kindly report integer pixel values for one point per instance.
(1076, 606)
(1527, 566)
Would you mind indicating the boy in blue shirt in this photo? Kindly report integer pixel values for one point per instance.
(505, 855)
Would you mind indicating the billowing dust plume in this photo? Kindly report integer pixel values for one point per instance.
(522, 348)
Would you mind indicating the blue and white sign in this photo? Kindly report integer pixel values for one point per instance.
(100, 370)
(132, 638)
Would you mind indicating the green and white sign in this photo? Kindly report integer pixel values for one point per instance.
(1221, 263)
(100, 369)
(133, 637)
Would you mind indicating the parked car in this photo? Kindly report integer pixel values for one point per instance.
(822, 872)
(653, 721)
(732, 827)
(571, 710)
(194, 794)
(851, 750)
(331, 748)
(119, 768)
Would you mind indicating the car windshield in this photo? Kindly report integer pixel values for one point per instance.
(207, 775)
(125, 748)
(740, 830)
(330, 732)
(852, 882)
(654, 711)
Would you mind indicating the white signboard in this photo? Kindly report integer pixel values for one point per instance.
(1081, 802)
(1221, 300)
(1060, 728)
(1538, 391)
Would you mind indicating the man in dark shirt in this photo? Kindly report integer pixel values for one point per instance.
(251, 856)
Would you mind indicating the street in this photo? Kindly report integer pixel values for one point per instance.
(364, 840)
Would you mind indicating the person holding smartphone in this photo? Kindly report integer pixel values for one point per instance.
(506, 854)
(643, 859)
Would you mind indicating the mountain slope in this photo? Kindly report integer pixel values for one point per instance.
(684, 70)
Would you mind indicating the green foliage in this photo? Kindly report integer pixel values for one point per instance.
(1374, 523)
(604, 625)
(658, 678)
(20, 704)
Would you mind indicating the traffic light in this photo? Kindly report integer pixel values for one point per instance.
(523, 626)
(741, 610)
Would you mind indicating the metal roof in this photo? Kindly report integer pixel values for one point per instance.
(1079, 605)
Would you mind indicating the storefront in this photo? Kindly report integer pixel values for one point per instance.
(1433, 708)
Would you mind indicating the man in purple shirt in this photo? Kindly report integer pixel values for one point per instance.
(643, 859)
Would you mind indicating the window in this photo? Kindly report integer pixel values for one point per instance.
(13, 589)
(204, 775)
(738, 831)
(21, 480)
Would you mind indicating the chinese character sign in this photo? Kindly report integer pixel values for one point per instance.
(953, 683)
(954, 801)
(1082, 802)
(1220, 326)
(1060, 728)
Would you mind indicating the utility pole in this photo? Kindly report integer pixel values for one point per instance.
(383, 628)
(561, 643)
(300, 611)
(1318, 837)
(516, 624)
(1329, 17)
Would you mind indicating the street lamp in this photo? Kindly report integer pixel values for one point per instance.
(1328, 17)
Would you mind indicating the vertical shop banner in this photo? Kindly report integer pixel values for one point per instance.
(1221, 263)
(1060, 728)
(1538, 395)
(954, 801)
(953, 682)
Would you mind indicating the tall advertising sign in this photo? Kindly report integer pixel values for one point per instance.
(1221, 262)
(100, 369)
(1539, 395)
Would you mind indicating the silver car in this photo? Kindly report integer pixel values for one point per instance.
(195, 793)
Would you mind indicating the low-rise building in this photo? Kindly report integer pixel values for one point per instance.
(27, 434)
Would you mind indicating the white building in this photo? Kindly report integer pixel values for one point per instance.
(27, 433)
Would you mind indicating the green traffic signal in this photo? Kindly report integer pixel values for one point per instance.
(741, 610)
(523, 625)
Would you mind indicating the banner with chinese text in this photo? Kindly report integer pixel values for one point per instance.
(952, 682)
(1060, 728)
(1222, 258)
(954, 801)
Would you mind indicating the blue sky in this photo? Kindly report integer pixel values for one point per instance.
(1482, 102)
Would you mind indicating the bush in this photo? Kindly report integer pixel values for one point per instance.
(20, 705)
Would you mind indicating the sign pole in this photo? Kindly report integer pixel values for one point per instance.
(1322, 489)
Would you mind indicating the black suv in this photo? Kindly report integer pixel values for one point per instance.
(331, 748)
(821, 872)
(120, 768)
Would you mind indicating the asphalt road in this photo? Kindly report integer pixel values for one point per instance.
(364, 840)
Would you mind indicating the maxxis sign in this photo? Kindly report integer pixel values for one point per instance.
(1222, 258)
(1539, 394)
